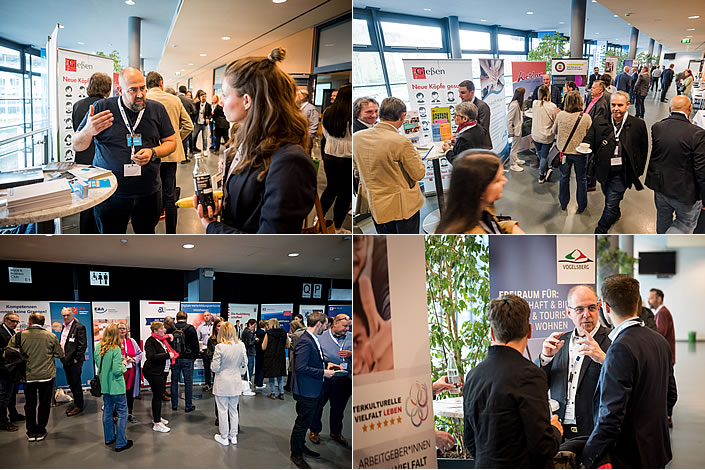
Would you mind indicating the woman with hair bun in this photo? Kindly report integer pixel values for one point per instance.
(270, 184)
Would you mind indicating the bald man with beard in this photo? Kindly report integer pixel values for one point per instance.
(676, 170)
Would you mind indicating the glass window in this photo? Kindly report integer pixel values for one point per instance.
(475, 65)
(334, 44)
(475, 40)
(508, 87)
(218, 75)
(411, 35)
(395, 66)
(534, 43)
(320, 87)
(505, 42)
(9, 58)
(361, 33)
(367, 69)
(378, 92)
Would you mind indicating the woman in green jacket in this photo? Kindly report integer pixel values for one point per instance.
(111, 367)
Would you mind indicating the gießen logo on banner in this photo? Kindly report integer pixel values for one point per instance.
(70, 65)
(422, 73)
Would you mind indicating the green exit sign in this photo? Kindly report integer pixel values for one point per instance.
(685, 41)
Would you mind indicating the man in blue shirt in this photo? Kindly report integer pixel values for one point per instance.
(336, 344)
(131, 134)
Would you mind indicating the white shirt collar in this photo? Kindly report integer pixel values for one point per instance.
(366, 125)
(634, 321)
(592, 333)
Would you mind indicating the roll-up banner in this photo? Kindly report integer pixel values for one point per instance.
(393, 424)
(282, 312)
(493, 93)
(82, 312)
(567, 70)
(150, 311)
(433, 85)
(334, 310)
(550, 267)
(195, 311)
(611, 67)
(307, 310)
(107, 313)
(528, 75)
(23, 309)
(74, 72)
(242, 312)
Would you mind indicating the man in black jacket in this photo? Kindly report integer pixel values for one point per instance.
(466, 91)
(508, 422)
(8, 383)
(595, 76)
(666, 79)
(555, 91)
(677, 169)
(74, 343)
(250, 341)
(620, 146)
(572, 362)
(99, 86)
(187, 347)
(200, 125)
(636, 387)
(366, 112)
(191, 110)
(623, 81)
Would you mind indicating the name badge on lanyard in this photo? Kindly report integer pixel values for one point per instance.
(616, 160)
(133, 140)
(344, 365)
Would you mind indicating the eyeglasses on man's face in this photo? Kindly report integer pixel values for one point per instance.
(581, 309)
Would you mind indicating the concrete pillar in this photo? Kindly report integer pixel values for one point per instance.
(200, 285)
(142, 65)
(454, 30)
(626, 244)
(577, 28)
(632, 43)
(659, 50)
(134, 36)
(651, 47)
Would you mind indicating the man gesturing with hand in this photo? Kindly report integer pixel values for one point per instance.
(572, 362)
(131, 134)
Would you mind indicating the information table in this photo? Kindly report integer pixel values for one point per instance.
(45, 218)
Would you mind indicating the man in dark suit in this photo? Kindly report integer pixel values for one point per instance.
(596, 103)
(73, 342)
(677, 169)
(466, 91)
(666, 79)
(191, 110)
(572, 362)
(310, 370)
(366, 112)
(620, 146)
(623, 81)
(506, 395)
(555, 91)
(595, 76)
(8, 383)
(636, 387)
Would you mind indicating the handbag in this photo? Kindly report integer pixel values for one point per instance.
(95, 381)
(556, 162)
(16, 360)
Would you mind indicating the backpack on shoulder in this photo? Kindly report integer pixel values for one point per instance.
(179, 343)
(16, 360)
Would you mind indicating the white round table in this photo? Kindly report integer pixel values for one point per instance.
(449, 407)
(41, 217)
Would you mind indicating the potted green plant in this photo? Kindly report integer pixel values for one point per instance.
(551, 46)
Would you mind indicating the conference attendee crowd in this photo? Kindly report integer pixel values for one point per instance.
(593, 137)
(236, 358)
(267, 175)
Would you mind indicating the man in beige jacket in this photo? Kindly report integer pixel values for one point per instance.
(181, 122)
(390, 169)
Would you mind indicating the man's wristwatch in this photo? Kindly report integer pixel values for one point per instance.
(154, 155)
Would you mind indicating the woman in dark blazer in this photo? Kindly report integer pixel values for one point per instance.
(275, 344)
(221, 125)
(270, 186)
(159, 356)
(470, 135)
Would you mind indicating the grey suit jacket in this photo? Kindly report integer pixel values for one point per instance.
(229, 363)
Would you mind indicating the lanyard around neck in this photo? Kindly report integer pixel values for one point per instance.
(130, 129)
(616, 133)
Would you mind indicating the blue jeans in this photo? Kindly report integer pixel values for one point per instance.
(613, 189)
(198, 128)
(185, 367)
(211, 128)
(113, 403)
(410, 225)
(280, 382)
(251, 367)
(542, 152)
(640, 110)
(686, 214)
(580, 163)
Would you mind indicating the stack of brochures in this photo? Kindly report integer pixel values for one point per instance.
(89, 172)
(39, 196)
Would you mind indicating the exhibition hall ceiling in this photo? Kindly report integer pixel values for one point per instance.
(667, 22)
(202, 24)
(319, 256)
(99, 25)
(548, 15)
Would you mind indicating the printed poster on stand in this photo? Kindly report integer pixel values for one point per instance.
(433, 83)
(493, 93)
(82, 312)
(107, 313)
(242, 312)
(307, 310)
(150, 311)
(567, 70)
(528, 75)
(282, 312)
(551, 266)
(195, 311)
(334, 310)
(75, 69)
(393, 424)
(24, 309)
(611, 66)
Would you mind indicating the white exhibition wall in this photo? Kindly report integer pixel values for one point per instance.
(682, 291)
(682, 60)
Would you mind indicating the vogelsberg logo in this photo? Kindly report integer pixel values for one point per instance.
(575, 257)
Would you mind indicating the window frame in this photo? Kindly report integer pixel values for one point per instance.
(341, 66)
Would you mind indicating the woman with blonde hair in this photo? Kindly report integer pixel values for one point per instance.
(229, 363)
(111, 367)
(274, 347)
(270, 184)
(160, 357)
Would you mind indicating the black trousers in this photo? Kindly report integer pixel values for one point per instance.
(259, 370)
(220, 133)
(338, 187)
(664, 90)
(337, 390)
(158, 385)
(207, 368)
(37, 406)
(73, 378)
(305, 410)
(167, 171)
(113, 214)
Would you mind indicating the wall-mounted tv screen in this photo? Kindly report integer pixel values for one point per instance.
(657, 262)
